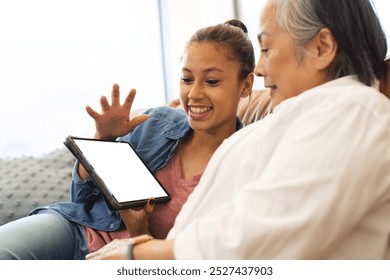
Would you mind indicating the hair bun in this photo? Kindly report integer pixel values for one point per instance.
(239, 24)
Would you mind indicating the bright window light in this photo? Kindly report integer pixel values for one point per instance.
(56, 57)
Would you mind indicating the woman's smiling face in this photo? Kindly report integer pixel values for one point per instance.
(209, 86)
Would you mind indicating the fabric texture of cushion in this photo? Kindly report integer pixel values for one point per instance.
(29, 182)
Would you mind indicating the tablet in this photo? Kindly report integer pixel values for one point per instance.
(119, 172)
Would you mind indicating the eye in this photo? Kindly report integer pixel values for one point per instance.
(264, 50)
(212, 82)
(185, 80)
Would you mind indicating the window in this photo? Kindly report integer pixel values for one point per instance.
(181, 19)
(58, 56)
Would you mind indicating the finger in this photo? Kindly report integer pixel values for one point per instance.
(174, 103)
(127, 214)
(91, 112)
(104, 103)
(148, 208)
(115, 95)
(93, 256)
(129, 99)
(109, 250)
(136, 121)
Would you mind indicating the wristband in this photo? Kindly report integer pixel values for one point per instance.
(134, 241)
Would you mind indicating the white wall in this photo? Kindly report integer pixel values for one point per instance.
(183, 18)
(249, 12)
(383, 8)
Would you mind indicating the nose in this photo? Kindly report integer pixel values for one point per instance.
(196, 91)
(260, 69)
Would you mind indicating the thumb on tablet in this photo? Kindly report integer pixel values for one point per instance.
(136, 221)
(149, 206)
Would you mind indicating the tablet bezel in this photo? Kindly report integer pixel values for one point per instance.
(112, 202)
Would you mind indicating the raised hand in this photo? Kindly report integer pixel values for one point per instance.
(114, 120)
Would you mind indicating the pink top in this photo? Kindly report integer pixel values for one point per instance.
(164, 214)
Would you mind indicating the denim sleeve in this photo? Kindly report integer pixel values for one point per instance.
(156, 139)
(82, 190)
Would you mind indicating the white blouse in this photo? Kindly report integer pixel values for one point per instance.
(309, 181)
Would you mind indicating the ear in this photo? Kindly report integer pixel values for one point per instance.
(323, 48)
(247, 85)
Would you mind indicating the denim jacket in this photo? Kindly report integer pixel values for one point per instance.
(155, 140)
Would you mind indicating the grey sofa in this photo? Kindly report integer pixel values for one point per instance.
(29, 182)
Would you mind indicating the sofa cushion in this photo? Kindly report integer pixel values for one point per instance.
(29, 182)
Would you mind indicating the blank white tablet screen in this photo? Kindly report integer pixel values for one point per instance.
(121, 170)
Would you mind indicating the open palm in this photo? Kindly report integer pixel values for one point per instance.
(114, 120)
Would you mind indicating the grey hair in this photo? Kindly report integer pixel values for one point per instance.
(298, 18)
(354, 24)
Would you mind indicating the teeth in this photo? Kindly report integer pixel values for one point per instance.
(199, 110)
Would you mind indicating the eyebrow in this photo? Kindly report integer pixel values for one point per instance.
(207, 70)
(261, 34)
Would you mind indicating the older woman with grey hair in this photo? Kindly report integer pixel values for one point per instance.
(311, 180)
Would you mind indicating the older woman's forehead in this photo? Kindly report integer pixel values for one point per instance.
(267, 12)
(267, 17)
(268, 23)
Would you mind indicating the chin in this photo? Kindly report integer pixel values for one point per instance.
(195, 125)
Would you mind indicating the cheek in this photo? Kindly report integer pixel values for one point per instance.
(281, 62)
(275, 65)
(184, 90)
(273, 68)
(227, 100)
(183, 96)
(283, 73)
